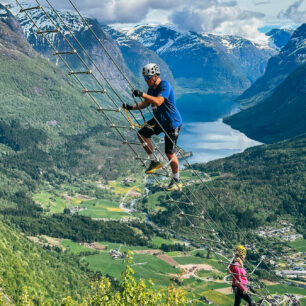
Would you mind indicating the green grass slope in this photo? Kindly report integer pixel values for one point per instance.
(48, 275)
(281, 116)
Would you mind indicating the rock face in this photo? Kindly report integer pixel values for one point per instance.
(292, 55)
(206, 62)
(279, 37)
(281, 116)
(12, 41)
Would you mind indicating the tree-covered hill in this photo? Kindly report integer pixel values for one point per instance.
(48, 275)
(253, 188)
(281, 116)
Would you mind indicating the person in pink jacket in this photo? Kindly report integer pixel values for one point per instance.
(239, 275)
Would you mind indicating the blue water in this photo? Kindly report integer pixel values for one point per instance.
(212, 140)
(203, 131)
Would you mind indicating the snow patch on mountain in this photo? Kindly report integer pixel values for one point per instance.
(165, 47)
(164, 39)
(72, 20)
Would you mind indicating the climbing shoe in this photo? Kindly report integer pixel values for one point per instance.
(154, 166)
(174, 185)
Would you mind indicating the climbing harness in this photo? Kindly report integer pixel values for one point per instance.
(145, 124)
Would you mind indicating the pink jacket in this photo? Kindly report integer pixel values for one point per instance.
(239, 276)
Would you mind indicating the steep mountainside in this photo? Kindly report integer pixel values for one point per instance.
(280, 116)
(49, 135)
(11, 35)
(48, 276)
(279, 67)
(39, 102)
(71, 25)
(205, 61)
(279, 37)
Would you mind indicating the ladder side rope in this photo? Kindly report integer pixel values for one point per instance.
(85, 64)
(117, 66)
(117, 129)
(83, 85)
(114, 62)
(87, 54)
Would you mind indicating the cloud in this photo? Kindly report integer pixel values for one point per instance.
(219, 19)
(116, 11)
(293, 13)
(133, 11)
(263, 2)
(215, 16)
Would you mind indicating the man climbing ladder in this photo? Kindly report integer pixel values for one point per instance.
(161, 97)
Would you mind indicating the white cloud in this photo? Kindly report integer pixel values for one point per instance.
(219, 19)
(262, 2)
(293, 12)
(132, 11)
(116, 11)
(216, 16)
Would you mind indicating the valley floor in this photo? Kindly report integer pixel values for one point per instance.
(199, 273)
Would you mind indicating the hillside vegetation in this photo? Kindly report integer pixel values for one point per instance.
(48, 275)
(253, 188)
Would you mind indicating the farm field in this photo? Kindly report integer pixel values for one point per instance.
(282, 289)
(199, 284)
(94, 208)
(74, 247)
(50, 202)
(102, 209)
(299, 245)
(145, 266)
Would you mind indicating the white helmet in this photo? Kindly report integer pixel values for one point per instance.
(150, 70)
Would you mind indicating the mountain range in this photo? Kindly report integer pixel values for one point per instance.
(77, 33)
(206, 62)
(279, 117)
(278, 68)
(276, 108)
(194, 62)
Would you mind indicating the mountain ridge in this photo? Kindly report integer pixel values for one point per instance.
(280, 116)
(278, 68)
(206, 61)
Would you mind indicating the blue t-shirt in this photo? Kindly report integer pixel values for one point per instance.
(167, 113)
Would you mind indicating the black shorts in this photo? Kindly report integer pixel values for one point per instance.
(170, 142)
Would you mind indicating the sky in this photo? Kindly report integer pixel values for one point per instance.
(247, 18)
